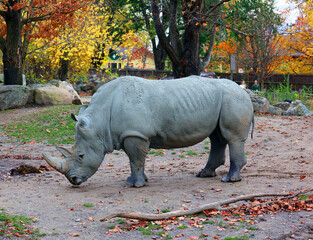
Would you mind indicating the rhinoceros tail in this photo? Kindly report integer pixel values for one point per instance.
(252, 126)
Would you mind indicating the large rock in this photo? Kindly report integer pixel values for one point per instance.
(13, 96)
(39, 85)
(75, 97)
(55, 82)
(297, 109)
(260, 104)
(52, 96)
(97, 87)
(86, 87)
(275, 110)
(282, 105)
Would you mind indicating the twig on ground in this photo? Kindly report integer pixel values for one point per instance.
(209, 206)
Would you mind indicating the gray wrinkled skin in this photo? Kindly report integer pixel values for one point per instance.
(134, 114)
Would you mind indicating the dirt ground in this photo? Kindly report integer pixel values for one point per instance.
(279, 161)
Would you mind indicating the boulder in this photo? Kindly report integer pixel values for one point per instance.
(282, 105)
(75, 97)
(39, 85)
(260, 104)
(208, 74)
(275, 110)
(297, 109)
(52, 96)
(55, 82)
(13, 96)
(86, 87)
(97, 87)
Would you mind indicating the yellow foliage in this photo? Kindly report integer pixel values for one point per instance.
(297, 44)
(88, 37)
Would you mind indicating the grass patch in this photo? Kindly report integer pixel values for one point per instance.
(165, 210)
(88, 204)
(17, 226)
(191, 153)
(208, 222)
(157, 153)
(53, 126)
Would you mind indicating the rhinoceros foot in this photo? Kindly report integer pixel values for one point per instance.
(205, 173)
(235, 177)
(136, 181)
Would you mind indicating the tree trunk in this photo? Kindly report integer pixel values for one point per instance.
(158, 51)
(191, 54)
(191, 38)
(64, 67)
(159, 57)
(207, 57)
(12, 49)
(163, 39)
(184, 53)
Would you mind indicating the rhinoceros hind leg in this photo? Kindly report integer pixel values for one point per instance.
(136, 149)
(237, 161)
(217, 155)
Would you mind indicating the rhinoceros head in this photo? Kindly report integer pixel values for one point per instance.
(82, 160)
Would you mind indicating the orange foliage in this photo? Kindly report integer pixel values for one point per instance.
(49, 15)
(297, 44)
(225, 49)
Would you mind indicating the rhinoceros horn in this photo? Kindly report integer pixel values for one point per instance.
(60, 164)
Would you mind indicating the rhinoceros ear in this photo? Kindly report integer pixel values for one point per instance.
(81, 111)
(73, 116)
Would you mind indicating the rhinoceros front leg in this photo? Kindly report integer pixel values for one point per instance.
(237, 161)
(136, 149)
(216, 157)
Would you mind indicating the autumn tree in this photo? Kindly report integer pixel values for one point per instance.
(297, 41)
(138, 47)
(18, 20)
(222, 52)
(139, 13)
(201, 21)
(84, 43)
(258, 47)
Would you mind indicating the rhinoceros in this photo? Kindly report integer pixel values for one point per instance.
(136, 114)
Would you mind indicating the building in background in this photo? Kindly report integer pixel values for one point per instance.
(121, 58)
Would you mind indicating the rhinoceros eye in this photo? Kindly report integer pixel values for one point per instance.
(81, 155)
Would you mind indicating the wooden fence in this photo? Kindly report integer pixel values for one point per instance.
(149, 74)
(296, 81)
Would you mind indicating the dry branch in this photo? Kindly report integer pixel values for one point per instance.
(209, 206)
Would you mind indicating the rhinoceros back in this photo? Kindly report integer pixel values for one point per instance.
(173, 113)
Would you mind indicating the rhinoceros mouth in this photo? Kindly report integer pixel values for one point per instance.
(75, 180)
